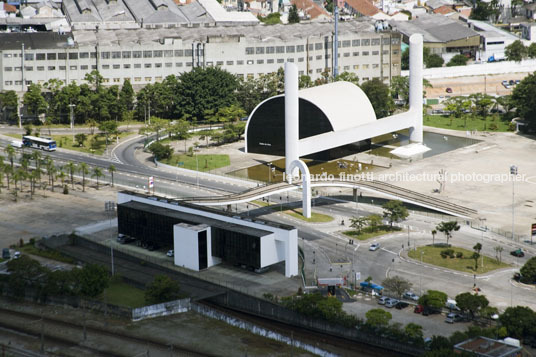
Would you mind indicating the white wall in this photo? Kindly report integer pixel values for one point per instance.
(186, 247)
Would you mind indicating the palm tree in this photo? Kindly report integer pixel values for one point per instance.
(97, 172)
(434, 232)
(34, 176)
(84, 170)
(72, 168)
(111, 170)
(10, 151)
(8, 170)
(18, 176)
(25, 162)
(51, 171)
(2, 166)
(36, 156)
(61, 175)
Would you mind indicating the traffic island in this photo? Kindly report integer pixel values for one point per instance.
(456, 258)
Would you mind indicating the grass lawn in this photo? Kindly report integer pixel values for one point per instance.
(367, 235)
(203, 162)
(432, 256)
(441, 121)
(120, 293)
(66, 142)
(49, 254)
(297, 213)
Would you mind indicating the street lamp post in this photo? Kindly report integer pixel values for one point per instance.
(513, 172)
(269, 172)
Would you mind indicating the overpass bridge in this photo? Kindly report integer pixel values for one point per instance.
(379, 187)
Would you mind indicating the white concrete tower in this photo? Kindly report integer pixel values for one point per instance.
(292, 123)
(415, 86)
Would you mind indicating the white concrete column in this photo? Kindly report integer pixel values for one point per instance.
(291, 254)
(292, 123)
(415, 86)
(306, 185)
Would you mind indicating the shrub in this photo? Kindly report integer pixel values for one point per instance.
(32, 241)
(447, 253)
(459, 255)
(65, 190)
(493, 126)
(511, 126)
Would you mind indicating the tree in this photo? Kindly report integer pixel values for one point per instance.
(80, 138)
(34, 101)
(457, 60)
(160, 151)
(498, 252)
(97, 172)
(91, 280)
(447, 228)
(481, 103)
(358, 223)
(405, 59)
(434, 60)
(9, 102)
(72, 168)
(457, 106)
(108, 127)
(378, 317)
(51, 171)
(477, 248)
(126, 96)
(84, 170)
(531, 50)
(528, 271)
(10, 151)
(470, 303)
(516, 51)
(394, 211)
(204, 89)
(520, 321)
(111, 170)
(397, 285)
(524, 99)
(348, 77)
(485, 11)
(434, 232)
(271, 19)
(378, 94)
(374, 220)
(413, 331)
(293, 17)
(433, 299)
(162, 289)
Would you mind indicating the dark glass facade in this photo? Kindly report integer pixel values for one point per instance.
(266, 129)
(153, 226)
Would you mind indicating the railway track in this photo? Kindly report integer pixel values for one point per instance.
(66, 334)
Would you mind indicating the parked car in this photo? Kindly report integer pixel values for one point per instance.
(170, 253)
(517, 81)
(449, 90)
(16, 255)
(124, 239)
(401, 305)
(410, 296)
(6, 254)
(374, 246)
(418, 309)
(452, 318)
(383, 300)
(391, 303)
(511, 82)
(518, 253)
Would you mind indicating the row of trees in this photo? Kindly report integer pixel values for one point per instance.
(24, 172)
(432, 60)
(25, 272)
(393, 211)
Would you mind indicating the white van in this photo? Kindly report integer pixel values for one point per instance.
(16, 144)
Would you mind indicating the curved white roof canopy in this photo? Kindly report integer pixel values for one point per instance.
(344, 104)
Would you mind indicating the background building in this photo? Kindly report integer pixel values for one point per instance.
(442, 35)
(149, 55)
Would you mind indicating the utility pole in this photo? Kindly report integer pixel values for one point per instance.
(513, 172)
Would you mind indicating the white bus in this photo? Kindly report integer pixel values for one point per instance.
(39, 143)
